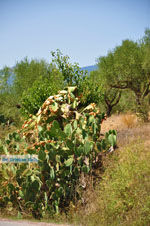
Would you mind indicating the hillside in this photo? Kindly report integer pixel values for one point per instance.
(90, 68)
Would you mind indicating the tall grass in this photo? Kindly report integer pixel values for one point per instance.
(123, 195)
(129, 120)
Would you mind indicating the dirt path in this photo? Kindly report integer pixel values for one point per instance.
(6, 222)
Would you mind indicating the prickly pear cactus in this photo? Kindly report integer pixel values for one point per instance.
(67, 143)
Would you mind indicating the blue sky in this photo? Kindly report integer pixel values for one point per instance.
(82, 29)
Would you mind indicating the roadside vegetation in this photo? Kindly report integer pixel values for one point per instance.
(91, 135)
(121, 197)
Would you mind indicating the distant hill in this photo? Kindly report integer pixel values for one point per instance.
(87, 68)
(90, 68)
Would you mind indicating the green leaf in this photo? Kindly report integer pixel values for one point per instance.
(75, 124)
(79, 150)
(5, 150)
(50, 119)
(94, 127)
(10, 136)
(21, 194)
(40, 128)
(91, 119)
(57, 166)
(54, 106)
(31, 152)
(85, 169)
(55, 130)
(16, 136)
(69, 161)
(8, 142)
(56, 206)
(72, 95)
(32, 178)
(58, 158)
(5, 175)
(52, 173)
(68, 129)
(112, 139)
(71, 89)
(19, 215)
(88, 147)
(70, 144)
(103, 144)
(63, 92)
(74, 104)
(61, 134)
(56, 124)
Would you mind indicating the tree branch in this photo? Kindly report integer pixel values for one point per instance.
(106, 100)
(120, 86)
(147, 90)
(117, 100)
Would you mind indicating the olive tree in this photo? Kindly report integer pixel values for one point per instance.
(124, 68)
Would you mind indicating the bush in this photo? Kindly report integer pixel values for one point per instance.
(67, 143)
(33, 98)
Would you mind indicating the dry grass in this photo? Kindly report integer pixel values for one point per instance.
(122, 196)
(120, 122)
(127, 136)
(129, 120)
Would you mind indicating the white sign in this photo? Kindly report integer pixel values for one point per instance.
(18, 158)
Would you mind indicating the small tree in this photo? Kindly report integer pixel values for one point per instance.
(96, 90)
(72, 73)
(91, 89)
(123, 69)
(60, 73)
(27, 72)
(33, 98)
(8, 98)
(111, 99)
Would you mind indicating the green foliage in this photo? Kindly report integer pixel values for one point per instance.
(67, 143)
(8, 97)
(22, 77)
(27, 72)
(122, 197)
(123, 68)
(146, 46)
(5, 75)
(111, 99)
(33, 98)
(112, 137)
(36, 80)
(91, 89)
(95, 89)
(72, 74)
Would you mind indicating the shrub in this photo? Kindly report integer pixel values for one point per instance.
(129, 120)
(33, 98)
(67, 143)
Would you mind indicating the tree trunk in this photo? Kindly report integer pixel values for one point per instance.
(142, 111)
(109, 109)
